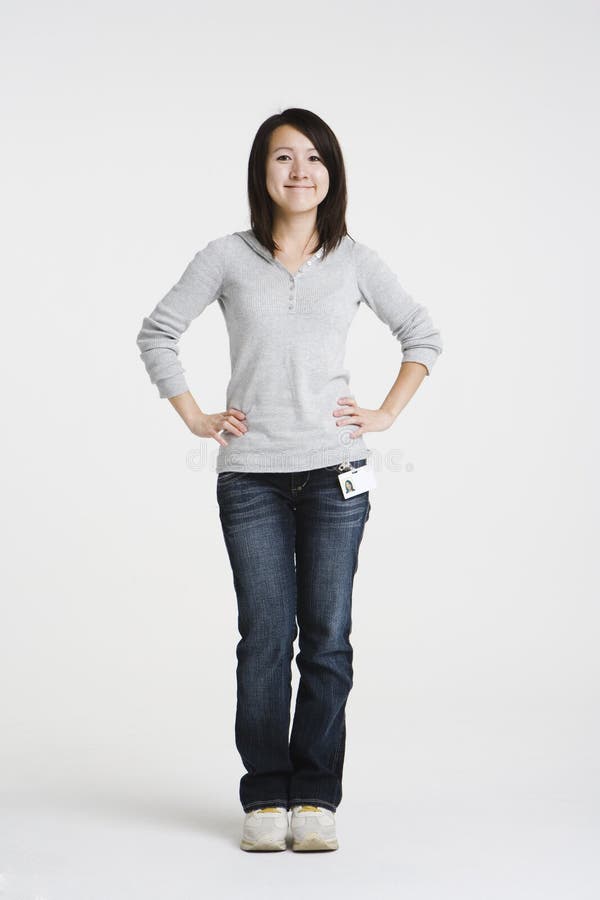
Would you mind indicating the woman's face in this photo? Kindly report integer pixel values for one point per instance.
(297, 179)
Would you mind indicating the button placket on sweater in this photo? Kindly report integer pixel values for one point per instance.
(294, 281)
(293, 278)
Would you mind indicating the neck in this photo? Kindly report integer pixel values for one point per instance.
(297, 235)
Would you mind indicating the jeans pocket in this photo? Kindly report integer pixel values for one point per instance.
(227, 476)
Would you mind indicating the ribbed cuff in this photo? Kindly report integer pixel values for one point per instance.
(172, 386)
(421, 355)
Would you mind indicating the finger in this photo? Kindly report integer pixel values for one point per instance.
(229, 419)
(219, 439)
(235, 412)
(347, 401)
(233, 428)
(242, 426)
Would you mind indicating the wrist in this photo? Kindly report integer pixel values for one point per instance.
(191, 417)
(390, 411)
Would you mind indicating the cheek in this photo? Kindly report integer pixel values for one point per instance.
(273, 185)
(273, 175)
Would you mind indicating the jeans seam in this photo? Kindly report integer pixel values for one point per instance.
(316, 801)
(257, 804)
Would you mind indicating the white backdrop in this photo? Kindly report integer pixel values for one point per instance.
(471, 138)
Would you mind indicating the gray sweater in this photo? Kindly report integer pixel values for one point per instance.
(287, 337)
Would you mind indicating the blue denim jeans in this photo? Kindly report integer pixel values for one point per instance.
(293, 542)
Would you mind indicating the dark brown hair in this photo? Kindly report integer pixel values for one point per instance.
(331, 212)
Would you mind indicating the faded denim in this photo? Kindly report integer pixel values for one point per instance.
(293, 544)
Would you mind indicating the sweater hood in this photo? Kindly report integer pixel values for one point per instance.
(250, 238)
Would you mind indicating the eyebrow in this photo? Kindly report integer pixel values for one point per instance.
(310, 149)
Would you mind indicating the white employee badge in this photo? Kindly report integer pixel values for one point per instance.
(355, 480)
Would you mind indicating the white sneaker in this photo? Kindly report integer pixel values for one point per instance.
(313, 828)
(265, 829)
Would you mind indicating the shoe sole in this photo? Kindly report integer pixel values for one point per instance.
(263, 846)
(314, 841)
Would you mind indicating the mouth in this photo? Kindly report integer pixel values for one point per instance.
(299, 187)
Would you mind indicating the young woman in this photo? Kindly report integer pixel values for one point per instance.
(291, 504)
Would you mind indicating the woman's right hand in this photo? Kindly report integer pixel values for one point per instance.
(210, 424)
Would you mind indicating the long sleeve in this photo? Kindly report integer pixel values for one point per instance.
(409, 321)
(159, 336)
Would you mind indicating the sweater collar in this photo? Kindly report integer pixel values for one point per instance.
(250, 238)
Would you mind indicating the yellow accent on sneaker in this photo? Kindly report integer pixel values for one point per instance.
(309, 809)
(268, 809)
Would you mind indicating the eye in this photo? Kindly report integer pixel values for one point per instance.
(286, 156)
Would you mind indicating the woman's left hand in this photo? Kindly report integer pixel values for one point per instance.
(365, 419)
